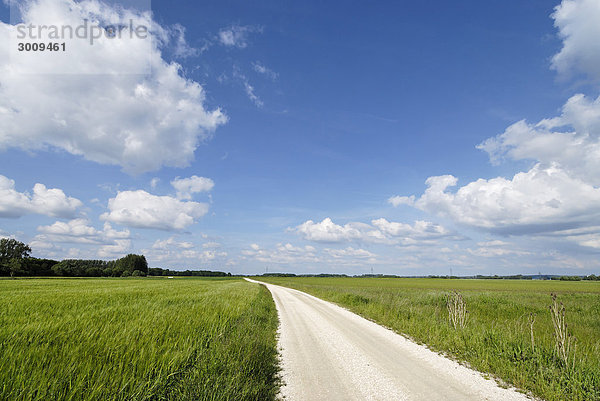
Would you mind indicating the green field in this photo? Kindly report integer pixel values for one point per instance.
(137, 339)
(497, 336)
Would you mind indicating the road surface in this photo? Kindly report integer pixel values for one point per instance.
(329, 353)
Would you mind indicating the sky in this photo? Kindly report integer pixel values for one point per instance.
(408, 138)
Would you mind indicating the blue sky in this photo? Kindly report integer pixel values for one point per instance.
(407, 137)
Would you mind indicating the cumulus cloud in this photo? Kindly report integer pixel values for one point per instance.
(379, 231)
(46, 201)
(110, 242)
(80, 231)
(328, 231)
(419, 231)
(77, 228)
(141, 209)
(116, 250)
(171, 243)
(350, 252)
(539, 200)
(561, 191)
(497, 249)
(578, 27)
(571, 140)
(140, 121)
(187, 186)
(288, 254)
(282, 254)
(182, 253)
(237, 35)
(401, 200)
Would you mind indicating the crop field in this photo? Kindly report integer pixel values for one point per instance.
(137, 339)
(507, 329)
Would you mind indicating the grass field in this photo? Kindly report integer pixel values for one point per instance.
(497, 336)
(137, 339)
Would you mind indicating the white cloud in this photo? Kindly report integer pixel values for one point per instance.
(50, 202)
(154, 182)
(140, 122)
(560, 192)
(77, 228)
(282, 254)
(116, 250)
(328, 231)
(79, 231)
(182, 48)
(577, 150)
(497, 249)
(420, 230)
(401, 200)
(236, 35)
(493, 243)
(249, 89)
(590, 240)
(171, 243)
(350, 252)
(143, 210)
(182, 254)
(588, 237)
(379, 231)
(579, 29)
(261, 69)
(252, 96)
(187, 186)
(539, 200)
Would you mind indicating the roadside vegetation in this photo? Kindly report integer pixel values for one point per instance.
(539, 336)
(137, 339)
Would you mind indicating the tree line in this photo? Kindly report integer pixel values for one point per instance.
(15, 261)
(157, 271)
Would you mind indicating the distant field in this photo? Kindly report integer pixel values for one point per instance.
(137, 339)
(497, 336)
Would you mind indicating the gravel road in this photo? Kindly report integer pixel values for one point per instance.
(329, 353)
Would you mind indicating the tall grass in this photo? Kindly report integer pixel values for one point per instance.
(510, 330)
(137, 339)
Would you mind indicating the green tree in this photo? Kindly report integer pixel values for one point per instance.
(15, 266)
(11, 248)
(127, 265)
(12, 254)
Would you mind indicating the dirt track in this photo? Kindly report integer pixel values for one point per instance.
(329, 353)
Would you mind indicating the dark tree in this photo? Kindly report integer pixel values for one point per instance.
(125, 266)
(12, 254)
(11, 248)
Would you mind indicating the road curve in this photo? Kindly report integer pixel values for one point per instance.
(329, 353)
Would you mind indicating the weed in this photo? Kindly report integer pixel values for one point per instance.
(532, 317)
(457, 310)
(565, 343)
